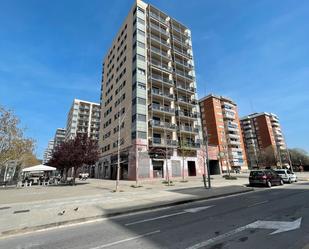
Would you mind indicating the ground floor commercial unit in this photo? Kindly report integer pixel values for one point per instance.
(145, 162)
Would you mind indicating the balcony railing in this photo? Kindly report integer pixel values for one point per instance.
(160, 108)
(184, 74)
(161, 79)
(187, 128)
(186, 88)
(160, 52)
(182, 52)
(158, 39)
(184, 63)
(161, 30)
(162, 94)
(160, 124)
(190, 144)
(187, 114)
(161, 65)
(157, 17)
(163, 142)
(187, 101)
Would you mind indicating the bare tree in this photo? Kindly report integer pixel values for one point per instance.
(13, 144)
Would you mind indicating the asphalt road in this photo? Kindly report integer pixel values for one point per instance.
(228, 222)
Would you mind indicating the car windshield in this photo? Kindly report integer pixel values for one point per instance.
(256, 173)
(280, 171)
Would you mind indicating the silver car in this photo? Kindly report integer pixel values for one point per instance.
(286, 175)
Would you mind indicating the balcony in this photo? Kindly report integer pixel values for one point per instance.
(235, 136)
(158, 18)
(186, 88)
(183, 63)
(159, 40)
(228, 115)
(180, 31)
(162, 125)
(161, 94)
(233, 142)
(161, 79)
(160, 65)
(192, 115)
(187, 101)
(184, 75)
(189, 129)
(159, 142)
(162, 109)
(183, 53)
(159, 29)
(160, 52)
(189, 144)
(181, 42)
(232, 128)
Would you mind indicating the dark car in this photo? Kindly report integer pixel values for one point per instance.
(264, 177)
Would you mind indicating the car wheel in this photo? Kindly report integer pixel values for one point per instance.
(290, 181)
(268, 183)
(281, 181)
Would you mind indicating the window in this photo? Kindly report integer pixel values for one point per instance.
(140, 32)
(141, 21)
(141, 71)
(141, 117)
(141, 86)
(141, 101)
(142, 134)
(141, 57)
(140, 10)
(140, 44)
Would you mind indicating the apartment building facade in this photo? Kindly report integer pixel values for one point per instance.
(149, 94)
(83, 117)
(262, 133)
(59, 136)
(220, 122)
(48, 151)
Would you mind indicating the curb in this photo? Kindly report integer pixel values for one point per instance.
(25, 230)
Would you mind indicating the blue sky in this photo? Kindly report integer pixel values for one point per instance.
(255, 52)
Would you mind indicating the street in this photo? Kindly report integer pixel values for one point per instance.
(231, 222)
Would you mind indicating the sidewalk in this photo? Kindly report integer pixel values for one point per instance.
(37, 207)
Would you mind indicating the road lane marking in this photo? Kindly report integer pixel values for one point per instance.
(189, 210)
(278, 226)
(155, 218)
(126, 240)
(258, 203)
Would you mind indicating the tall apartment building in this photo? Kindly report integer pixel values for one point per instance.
(149, 91)
(220, 122)
(48, 151)
(83, 117)
(59, 136)
(262, 131)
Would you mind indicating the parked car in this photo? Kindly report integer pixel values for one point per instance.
(287, 175)
(265, 177)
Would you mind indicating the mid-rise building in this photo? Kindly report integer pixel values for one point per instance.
(48, 151)
(83, 117)
(262, 134)
(149, 94)
(59, 136)
(221, 124)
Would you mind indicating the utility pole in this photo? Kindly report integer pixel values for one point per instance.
(207, 161)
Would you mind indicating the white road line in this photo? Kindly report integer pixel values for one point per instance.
(215, 239)
(125, 240)
(259, 203)
(155, 218)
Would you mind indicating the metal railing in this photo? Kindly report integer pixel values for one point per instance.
(162, 94)
(187, 114)
(157, 123)
(162, 108)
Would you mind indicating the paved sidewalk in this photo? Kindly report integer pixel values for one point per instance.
(39, 207)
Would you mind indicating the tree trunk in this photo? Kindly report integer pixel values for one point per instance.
(65, 174)
(73, 175)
